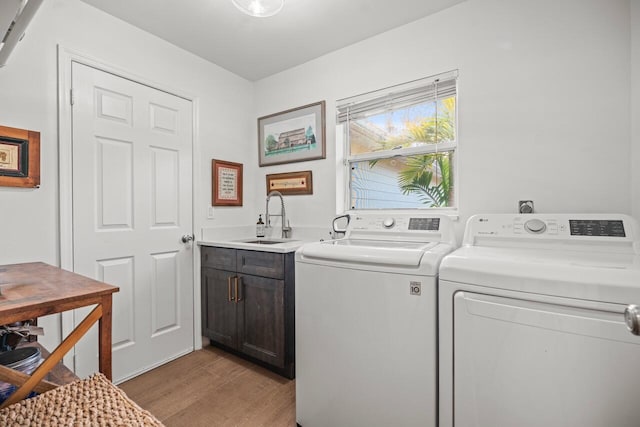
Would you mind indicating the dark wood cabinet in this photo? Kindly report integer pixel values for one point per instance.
(248, 304)
(261, 329)
(219, 312)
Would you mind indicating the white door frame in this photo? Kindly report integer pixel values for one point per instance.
(65, 155)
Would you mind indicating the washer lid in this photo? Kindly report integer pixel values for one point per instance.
(596, 276)
(372, 252)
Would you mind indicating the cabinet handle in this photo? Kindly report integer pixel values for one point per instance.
(229, 289)
(238, 298)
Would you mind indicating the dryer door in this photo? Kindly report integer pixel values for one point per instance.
(557, 362)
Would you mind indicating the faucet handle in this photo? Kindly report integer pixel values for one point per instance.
(286, 230)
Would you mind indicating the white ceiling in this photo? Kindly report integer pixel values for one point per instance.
(258, 47)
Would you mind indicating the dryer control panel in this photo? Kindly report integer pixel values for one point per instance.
(616, 230)
(596, 227)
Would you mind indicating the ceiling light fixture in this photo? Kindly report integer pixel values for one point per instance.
(259, 8)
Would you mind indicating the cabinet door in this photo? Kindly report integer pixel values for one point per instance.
(261, 319)
(219, 306)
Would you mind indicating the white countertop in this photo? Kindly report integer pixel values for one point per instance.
(237, 237)
(283, 246)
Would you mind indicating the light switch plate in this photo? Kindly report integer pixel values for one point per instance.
(210, 212)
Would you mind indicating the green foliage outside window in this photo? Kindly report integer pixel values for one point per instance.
(429, 176)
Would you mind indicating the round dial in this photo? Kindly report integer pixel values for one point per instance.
(388, 222)
(535, 226)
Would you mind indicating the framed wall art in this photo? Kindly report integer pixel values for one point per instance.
(226, 183)
(290, 182)
(294, 135)
(19, 157)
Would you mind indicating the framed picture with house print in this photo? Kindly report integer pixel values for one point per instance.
(19, 157)
(294, 135)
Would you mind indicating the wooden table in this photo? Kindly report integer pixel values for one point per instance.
(37, 289)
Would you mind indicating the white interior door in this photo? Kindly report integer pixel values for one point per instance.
(132, 204)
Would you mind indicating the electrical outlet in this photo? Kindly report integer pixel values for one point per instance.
(525, 206)
(210, 213)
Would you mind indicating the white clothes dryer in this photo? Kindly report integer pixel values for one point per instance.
(366, 323)
(532, 323)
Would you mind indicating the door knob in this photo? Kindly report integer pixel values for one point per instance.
(632, 319)
(187, 238)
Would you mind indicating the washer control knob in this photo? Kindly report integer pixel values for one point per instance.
(535, 226)
(388, 222)
(632, 319)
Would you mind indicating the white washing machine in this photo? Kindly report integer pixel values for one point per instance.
(366, 323)
(532, 323)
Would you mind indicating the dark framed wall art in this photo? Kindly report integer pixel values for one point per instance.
(294, 135)
(19, 157)
(226, 183)
(291, 183)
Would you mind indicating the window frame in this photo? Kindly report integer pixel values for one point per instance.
(451, 146)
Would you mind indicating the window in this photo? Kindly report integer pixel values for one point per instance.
(400, 145)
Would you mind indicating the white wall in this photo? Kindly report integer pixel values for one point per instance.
(28, 99)
(635, 107)
(543, 90)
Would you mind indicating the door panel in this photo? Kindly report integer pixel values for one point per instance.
(132, 202)
(114, 106)
(120, 271)
(165, 300)
(526, 363)
(114, 184)
(165, 186)
(163, 119)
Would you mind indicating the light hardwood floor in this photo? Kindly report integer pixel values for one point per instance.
(210, 387)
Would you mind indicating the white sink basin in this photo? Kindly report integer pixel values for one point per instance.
(265, 241)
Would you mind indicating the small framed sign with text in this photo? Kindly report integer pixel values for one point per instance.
(290, 183)
(226, 183)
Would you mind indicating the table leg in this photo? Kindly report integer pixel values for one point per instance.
(55, 357)
(18, 378)
(104, 339)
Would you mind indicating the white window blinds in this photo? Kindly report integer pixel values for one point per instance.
(396, 97)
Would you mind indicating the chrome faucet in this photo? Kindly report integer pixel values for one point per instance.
(286, 229)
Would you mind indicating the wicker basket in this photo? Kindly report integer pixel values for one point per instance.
(94, 401)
